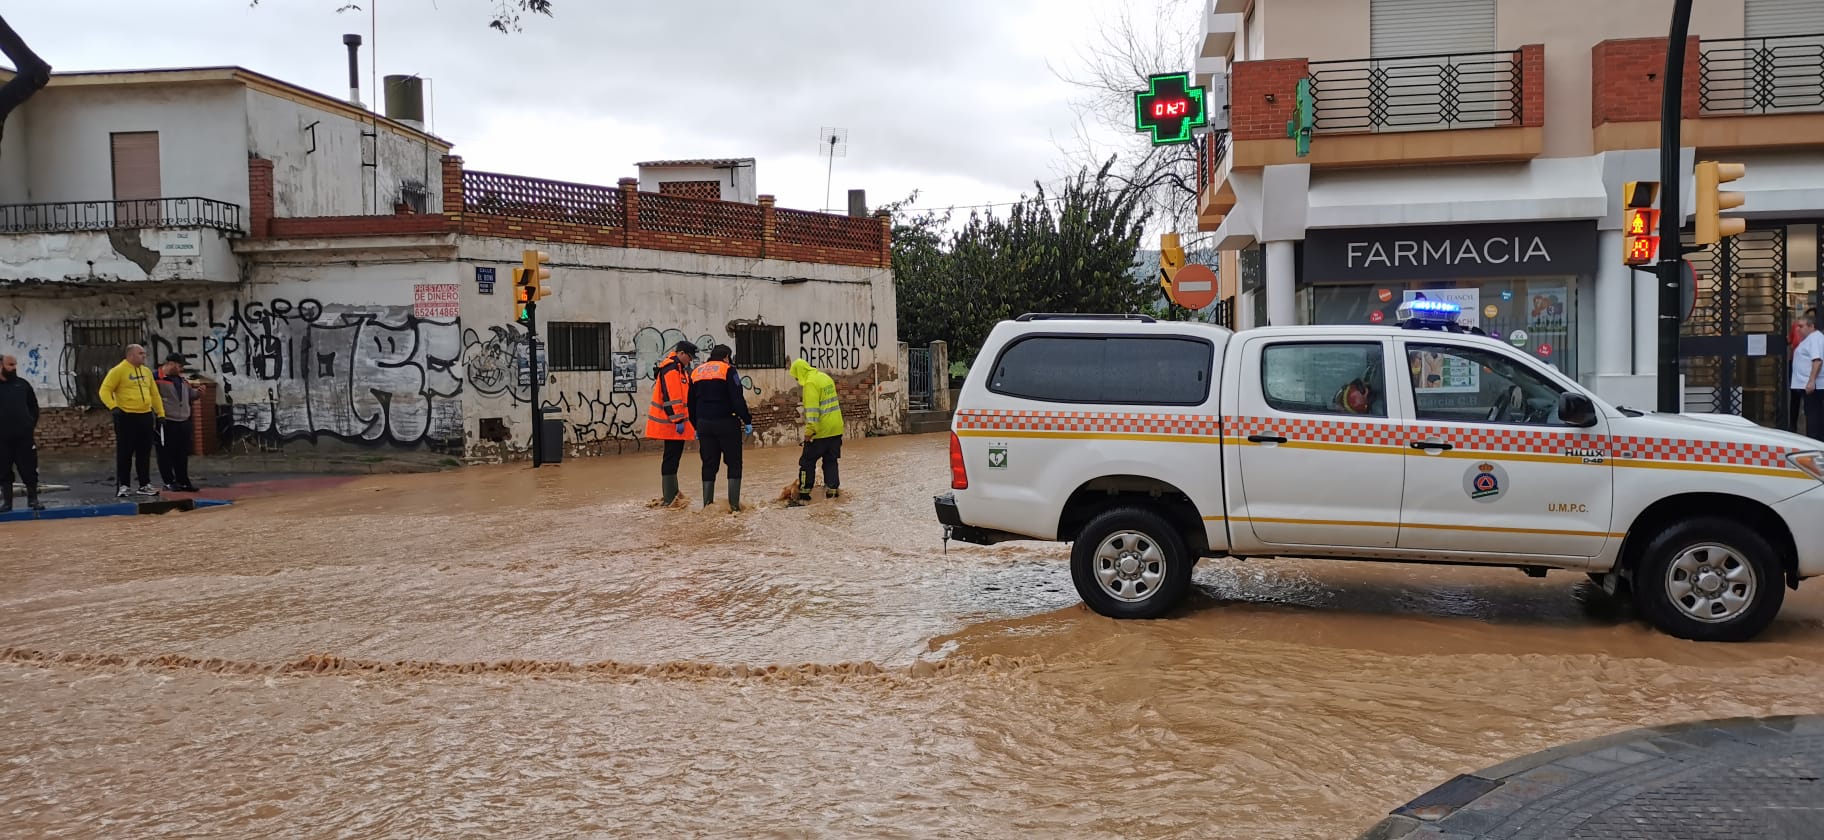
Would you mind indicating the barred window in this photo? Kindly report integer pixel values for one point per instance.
(95, 347)
(758, 346)
(579, 346)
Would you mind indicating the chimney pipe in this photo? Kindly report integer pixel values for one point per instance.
(353, 43)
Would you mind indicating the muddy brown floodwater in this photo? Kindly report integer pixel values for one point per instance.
(503, 652)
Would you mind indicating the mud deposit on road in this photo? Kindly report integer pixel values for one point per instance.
(430, 655)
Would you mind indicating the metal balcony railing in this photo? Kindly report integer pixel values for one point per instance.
(1416, 93)
(1215, 151)
(1761, 75)
(77, 216)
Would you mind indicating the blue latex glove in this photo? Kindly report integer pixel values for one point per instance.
(680, 428)
(748, 430)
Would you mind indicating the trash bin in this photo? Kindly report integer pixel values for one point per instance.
(551, 437)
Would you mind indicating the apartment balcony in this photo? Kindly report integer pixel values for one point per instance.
(1219, 32)
(109, 241)
(1739, 93)
(1215, 195)
(1450, 108)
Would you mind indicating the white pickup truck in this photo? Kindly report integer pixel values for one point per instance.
(1150, 445)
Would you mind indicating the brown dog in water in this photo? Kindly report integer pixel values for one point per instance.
(790, 493)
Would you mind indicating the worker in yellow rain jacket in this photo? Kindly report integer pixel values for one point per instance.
(822, 431)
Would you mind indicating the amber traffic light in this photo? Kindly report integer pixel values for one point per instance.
(1712, 227)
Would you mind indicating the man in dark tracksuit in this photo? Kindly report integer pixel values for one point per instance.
(18, 422)
(718, 406)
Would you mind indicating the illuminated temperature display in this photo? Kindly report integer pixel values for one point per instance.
(1170, 108)
(1640, 245)
(1176, 108)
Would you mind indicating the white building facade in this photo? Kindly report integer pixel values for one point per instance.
(1476, 150)
(343, 280)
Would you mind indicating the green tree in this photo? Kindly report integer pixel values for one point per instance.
(1066, 249)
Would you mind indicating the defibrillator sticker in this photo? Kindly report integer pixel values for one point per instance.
(1485, 482)
(997, 457)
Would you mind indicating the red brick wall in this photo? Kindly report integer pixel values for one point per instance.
(259, 196)
(1251, 116)
(1627, 75)
(1532, 85)
(627, 234)
(65, 429)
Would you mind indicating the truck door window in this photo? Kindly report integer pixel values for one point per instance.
(1326, 378)
(1107, 370)
(1473, 385)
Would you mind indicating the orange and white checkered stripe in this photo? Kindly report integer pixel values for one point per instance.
(1092, 422)
(1702, 451)
(1393, 435)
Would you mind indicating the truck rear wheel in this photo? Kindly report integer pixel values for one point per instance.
(1130, 562)
(1709, 580)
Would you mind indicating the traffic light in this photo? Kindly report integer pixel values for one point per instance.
(1640, 241)
(1171, 258)
(528, 283)
(1711, 227)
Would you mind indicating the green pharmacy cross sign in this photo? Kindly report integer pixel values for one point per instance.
(1170, 108)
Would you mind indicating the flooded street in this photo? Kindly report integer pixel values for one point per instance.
(507, 652)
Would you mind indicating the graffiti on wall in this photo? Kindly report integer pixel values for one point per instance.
(303, 369)
(493, 362)
(837, 345)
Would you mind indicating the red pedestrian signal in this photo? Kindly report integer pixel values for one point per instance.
(1640, 245)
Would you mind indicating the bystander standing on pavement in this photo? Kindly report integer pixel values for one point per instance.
(669, 418)
(18, 425)
(131, 395)
(178, 431)
(718, 407)
(1807, 359)
(822, 431)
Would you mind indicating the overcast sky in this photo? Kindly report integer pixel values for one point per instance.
(950, 97)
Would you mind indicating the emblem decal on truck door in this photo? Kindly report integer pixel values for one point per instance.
(1485, 482)
(997, 457)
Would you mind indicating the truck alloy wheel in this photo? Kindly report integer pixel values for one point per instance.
(1709, 580)
(1130, 563)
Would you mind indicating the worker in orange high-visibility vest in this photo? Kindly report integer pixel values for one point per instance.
(669, 418)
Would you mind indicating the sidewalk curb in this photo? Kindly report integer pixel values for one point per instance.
(1504, 788)
(117, 509)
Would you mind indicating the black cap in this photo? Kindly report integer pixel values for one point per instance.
(687, 347)
(176, 357)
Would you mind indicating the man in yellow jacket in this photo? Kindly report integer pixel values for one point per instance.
(822, 431)
(131, 394)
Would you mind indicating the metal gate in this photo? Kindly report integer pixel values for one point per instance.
(1732, 348)
(920, 394)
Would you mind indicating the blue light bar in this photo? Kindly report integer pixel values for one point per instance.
(1432, 311)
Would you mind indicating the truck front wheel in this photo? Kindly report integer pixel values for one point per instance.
(1130, 562)
(1709, 580)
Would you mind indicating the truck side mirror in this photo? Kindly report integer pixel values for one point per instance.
(1576, 409)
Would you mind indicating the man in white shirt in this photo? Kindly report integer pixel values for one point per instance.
(1807, 359)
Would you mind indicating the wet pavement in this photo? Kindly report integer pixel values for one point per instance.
(509, 652)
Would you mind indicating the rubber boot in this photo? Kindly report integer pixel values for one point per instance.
(709, 492)
(832, 493)
(31, 498)
(734, 495)
(669, 491)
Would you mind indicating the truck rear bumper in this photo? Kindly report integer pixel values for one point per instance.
(955, 529)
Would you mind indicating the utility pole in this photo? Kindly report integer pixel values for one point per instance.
(1672, 213)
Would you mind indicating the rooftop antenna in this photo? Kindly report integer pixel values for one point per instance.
(833, 143)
